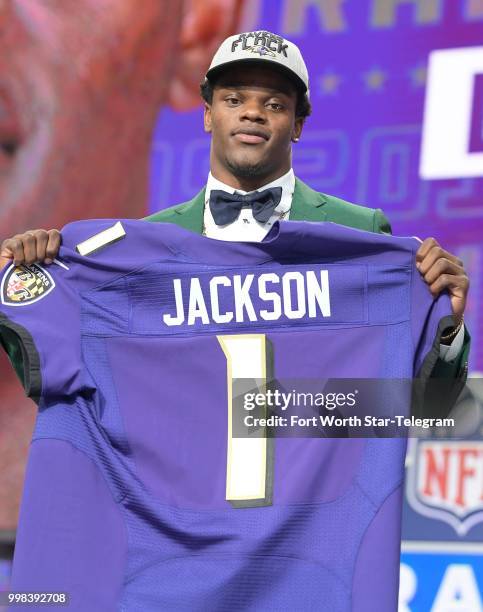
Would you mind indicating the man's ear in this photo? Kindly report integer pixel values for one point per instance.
(207, 117)
(298, 127)
(206, 23)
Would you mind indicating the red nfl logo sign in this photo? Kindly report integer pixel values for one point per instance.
(445, 481)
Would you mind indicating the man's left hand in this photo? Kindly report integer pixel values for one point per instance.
(441, 270)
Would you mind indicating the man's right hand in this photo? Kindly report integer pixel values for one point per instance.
(30, 247)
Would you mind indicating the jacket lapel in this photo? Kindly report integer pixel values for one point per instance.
(190, 215)
(307, 204)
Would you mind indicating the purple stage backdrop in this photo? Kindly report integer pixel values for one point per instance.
(373, 64)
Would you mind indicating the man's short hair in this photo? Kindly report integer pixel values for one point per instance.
(303, 108)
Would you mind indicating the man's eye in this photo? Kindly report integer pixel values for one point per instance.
(233, 101)
(275, 106)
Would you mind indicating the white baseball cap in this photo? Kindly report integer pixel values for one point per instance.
(261, 46)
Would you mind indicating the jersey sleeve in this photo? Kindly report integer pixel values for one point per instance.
(40, 306)
(430, 317)
(40, 328)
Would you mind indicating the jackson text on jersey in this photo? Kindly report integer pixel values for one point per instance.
(269, 296)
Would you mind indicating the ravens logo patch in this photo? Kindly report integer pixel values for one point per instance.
(23, 285)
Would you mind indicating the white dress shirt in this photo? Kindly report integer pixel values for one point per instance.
(246, 228)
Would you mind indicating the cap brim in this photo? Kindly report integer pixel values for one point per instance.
(215, 72)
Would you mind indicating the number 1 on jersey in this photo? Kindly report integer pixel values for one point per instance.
(249, 464)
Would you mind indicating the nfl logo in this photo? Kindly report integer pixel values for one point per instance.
(445, 481)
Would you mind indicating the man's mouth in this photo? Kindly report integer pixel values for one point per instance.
(251, 135)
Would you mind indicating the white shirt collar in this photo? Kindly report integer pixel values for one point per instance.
(286, 182)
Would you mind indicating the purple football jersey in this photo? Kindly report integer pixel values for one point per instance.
(138, 496)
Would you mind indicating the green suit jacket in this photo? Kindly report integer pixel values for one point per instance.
(307, 205)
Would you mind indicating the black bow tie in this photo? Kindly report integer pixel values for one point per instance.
(225, 207)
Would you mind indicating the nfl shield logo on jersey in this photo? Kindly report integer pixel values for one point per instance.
(23, 285)
(445, 481)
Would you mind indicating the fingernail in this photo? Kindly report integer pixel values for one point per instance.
(47, 261)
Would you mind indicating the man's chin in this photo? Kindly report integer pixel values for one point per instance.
(249, 169)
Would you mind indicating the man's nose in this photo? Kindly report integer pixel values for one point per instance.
(254, 111)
